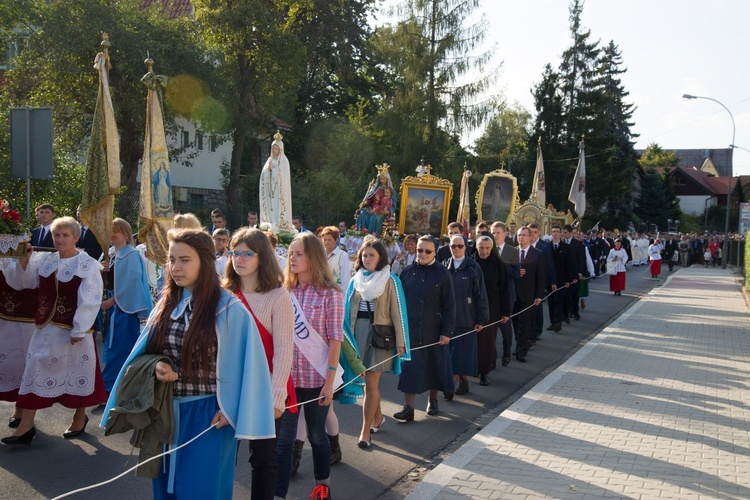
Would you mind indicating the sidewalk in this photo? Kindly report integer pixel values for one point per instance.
(655, 406)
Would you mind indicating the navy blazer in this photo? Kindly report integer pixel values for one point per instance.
(89, 244)
(549, 263)
(48, 241)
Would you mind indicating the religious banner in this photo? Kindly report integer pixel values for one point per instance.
(577, 194)
(462, 217)
(538, 188)
(156, 214)
(102, 177)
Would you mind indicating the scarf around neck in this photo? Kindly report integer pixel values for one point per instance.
(371, 285)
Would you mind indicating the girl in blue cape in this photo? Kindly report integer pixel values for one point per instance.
(129, 301)
(220, 377)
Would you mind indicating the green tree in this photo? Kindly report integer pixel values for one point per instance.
(259, 65)
(657, 202)
(55, 69)
(657, 159)
(505, 140)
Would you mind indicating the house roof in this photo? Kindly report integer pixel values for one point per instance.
(721, 158)
(713, 185)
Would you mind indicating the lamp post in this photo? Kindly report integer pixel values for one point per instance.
(725, 252)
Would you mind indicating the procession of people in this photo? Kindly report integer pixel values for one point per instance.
(257, 338)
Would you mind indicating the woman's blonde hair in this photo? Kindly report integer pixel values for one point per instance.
(66, 223)
(186, 221)
(123, 227)
(320, 272)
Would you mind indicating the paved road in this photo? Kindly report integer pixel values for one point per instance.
(388, 470)
(654, 407)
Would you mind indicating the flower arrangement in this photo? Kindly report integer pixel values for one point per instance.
(285, 237)
(11, 222)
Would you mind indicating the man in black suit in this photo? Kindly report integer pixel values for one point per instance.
(570, 302)
(549, 273)
(562, 258)
(670, 249)
(88, 240)
(42, 235)
(509, 256)
(529, 291)
(444, 251)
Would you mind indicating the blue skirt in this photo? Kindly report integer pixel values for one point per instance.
(464, 356)
(204, 468)
(122, 333)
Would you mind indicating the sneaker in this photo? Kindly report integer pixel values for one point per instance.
(321, 492)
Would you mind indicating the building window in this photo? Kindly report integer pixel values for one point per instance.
(679, 181)
(196, 202)
(185, 142)
(212, 144)
(199, 141)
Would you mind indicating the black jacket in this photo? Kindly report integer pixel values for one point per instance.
(531, 285)
(496, 282)
(471, 295)
(47, 242)
(430, 302)
(562, 257)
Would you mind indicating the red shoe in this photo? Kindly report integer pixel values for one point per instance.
(321, 492)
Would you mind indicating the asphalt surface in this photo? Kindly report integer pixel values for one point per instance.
(400, 455)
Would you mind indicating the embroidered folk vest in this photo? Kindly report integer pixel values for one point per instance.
(15, 305)
(57, 301)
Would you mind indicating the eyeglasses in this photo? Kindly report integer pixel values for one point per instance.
(457, 246)
(225, 240)
(422, 250)
(241, 255)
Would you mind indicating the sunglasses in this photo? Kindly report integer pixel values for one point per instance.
(241, 255)
(457, 246)
(422, 250)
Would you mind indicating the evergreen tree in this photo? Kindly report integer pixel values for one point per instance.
(657, 202)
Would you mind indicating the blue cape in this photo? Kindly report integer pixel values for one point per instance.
(132, 292)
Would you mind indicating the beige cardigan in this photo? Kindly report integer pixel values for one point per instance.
(386, 311)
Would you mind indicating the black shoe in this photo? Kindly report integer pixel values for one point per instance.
(483, 380)
(335, 449)
(577, 317)
(432, 407)
(14, 422)
(71, 434)
(551, 327)
(406, 414)
(24, 439)
(520, 358)
(506, 360)
(556, 327)
(567, 320)
(364, 444)
(448, 396)
(297, 455)
(463, 386)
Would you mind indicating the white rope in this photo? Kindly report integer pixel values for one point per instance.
(80, 490)
(93, 486)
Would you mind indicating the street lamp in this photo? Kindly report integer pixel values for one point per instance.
(725, 252)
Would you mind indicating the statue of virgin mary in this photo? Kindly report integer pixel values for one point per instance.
(276, 189)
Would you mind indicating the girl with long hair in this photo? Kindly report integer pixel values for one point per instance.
(319, 314)
(375, 297)
(256, 278)
(217, 367)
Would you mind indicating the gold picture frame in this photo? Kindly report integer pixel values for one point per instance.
(497, 197)
(425, 203)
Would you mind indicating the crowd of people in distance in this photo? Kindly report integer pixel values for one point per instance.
(241, 338)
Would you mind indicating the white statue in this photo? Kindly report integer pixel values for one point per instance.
(276, 189)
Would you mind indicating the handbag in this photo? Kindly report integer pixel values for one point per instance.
(381, 336)
(612, 268)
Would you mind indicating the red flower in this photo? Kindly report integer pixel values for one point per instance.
(364, 230)
(11, 215)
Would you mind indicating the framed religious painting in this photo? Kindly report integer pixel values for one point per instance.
(425, 202)
(496, 197)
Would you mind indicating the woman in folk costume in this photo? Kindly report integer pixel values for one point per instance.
(129, 300)
(62, 365)
(319, 315)
(275, 191)
(220, 373)
(617, 257)
(375, 297)
(17, 313)
(256, 278)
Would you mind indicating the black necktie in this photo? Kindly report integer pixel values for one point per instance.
(523, 255)
(42, 235)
